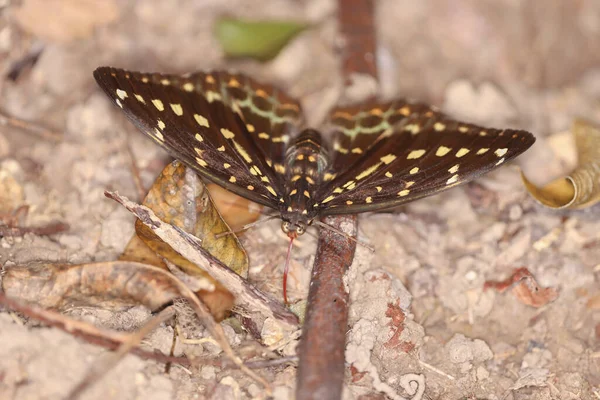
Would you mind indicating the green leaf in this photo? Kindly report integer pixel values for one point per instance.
(261, 40)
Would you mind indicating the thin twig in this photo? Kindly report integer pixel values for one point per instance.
(31, 127)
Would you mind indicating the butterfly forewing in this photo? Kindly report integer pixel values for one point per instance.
(204, 122)
(396, 152)
(272, 117)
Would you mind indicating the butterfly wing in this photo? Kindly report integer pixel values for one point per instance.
(200, 122)
(396, 152)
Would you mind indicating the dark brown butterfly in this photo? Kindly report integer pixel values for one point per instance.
(250, 138)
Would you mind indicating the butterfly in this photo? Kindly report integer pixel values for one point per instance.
(251, 139)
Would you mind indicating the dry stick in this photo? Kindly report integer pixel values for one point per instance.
(102, 368)
(46, 133)
(321, 351)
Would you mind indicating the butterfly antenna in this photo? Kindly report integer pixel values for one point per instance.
(339, 232)
(286, 269)
(246, 227)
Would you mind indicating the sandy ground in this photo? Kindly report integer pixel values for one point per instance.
(502, 63)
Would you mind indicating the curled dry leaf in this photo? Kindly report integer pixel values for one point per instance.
(525, 288)
(65, 20)
(235, 210)
(582, 187)
(178, 197)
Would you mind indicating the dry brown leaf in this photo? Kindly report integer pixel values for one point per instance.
(235, 210)
(582, 187)
(65, 20)
(179, 197)
(248, 298)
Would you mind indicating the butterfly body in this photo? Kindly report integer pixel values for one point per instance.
(250, 138)
(306, 160)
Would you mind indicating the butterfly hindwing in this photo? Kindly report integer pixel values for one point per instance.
(194, 118)
(397, 152)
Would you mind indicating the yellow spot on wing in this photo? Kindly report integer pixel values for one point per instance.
(261, 93)
(409, 184)
(222, 148)
(306, 194)
(412, 128)
(263, 135)
(403, 193)
(177, 109)
(201, 162)
(341, 114)
(242, 151)
(188, 87)
(367, 171)
(209, 79)
(338, 190)
(250, 128)
(501, 152)
(226, 165)
(454, 169)
(227, 133)
(482, 150)
(250, 187)
(415, 154)
(369, 200)
(500, 161)
(140, 99)
(388, 174)
(232, 179)
(438, 126)
(158, 104)
(442, 151)
(327, 200)
(404, 111)
(328, 176)
(161, 125)
(414, 170)
(279, 168)
(379, 189)
(165, 82)
(454, 179)
(159, 135)
(271, 190)
(462, 152)
(388, 159)
(349, 202)
(122, 94)
(201, 120)
(119, 103)
(199, 138)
